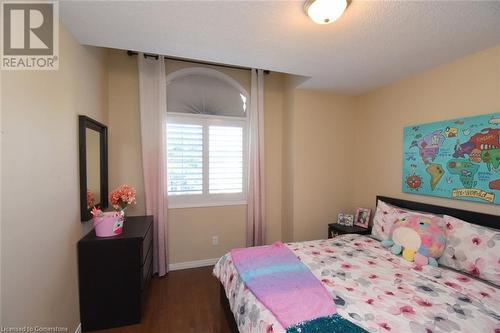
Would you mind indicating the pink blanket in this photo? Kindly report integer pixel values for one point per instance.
(283, 283)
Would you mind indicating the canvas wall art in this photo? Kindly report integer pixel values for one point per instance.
(456, 159)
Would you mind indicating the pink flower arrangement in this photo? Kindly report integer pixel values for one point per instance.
(123, 196)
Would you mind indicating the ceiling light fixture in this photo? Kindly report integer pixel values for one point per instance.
(325, 11)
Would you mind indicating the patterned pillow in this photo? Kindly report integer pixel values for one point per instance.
(472, 249)
(386, 215)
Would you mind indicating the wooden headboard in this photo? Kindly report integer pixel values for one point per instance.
(487, 220)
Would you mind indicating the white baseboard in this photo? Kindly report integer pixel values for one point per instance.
(192, 264)
(79, 328)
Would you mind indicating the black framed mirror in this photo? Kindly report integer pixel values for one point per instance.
(93, 145)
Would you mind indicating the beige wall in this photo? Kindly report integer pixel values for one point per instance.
(190, 230)
(319, 180)
(40, 184)
(287, 159)
(124, 132)
(339, 152)
(274, 109)
(467, 87)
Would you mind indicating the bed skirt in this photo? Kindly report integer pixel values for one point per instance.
(227, 317)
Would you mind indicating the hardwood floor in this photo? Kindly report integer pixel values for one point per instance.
(184, 301)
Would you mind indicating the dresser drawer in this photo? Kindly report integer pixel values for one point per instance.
(147, 244)
(147, 269)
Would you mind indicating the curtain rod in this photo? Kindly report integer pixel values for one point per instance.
(146, 55)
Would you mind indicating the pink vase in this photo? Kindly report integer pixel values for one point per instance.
(109, 224)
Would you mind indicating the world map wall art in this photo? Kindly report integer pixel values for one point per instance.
(457, 159)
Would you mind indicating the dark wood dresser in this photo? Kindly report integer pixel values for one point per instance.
(114, 273)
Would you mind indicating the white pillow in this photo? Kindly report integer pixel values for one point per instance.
(385, 216)
(472, 249)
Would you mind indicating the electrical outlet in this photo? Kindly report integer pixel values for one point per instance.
(215, 240)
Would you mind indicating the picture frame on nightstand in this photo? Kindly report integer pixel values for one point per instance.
(362, 218)
(340, 219)
(348, 220)
(345, 219)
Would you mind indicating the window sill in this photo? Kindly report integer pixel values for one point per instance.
(206, 204)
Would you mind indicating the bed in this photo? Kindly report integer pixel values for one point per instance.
(376, 290)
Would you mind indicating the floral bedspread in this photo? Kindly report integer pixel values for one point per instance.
(376, 290)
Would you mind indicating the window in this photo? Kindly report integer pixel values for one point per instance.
(206, 140)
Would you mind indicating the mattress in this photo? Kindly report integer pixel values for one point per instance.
(376, 290)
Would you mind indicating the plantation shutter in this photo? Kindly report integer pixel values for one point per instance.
(185, 158)
(225, 159)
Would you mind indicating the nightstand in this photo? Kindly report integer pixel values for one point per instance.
(335, 229)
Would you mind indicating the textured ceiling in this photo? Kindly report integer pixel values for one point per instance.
(373, 44)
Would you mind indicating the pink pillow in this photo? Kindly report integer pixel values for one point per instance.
(386, 215)
(472, 249)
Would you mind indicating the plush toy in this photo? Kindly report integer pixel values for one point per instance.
(419, 238)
